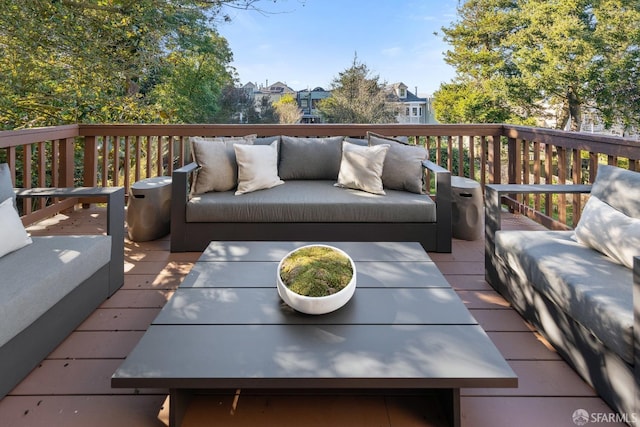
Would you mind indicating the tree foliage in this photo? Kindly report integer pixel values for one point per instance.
(357, 97)
(287, 110)
(540, 56)
(70, 61)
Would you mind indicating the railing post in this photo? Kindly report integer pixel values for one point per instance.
(513, 160)
(67, 162)
(90, 172)
(495, 162)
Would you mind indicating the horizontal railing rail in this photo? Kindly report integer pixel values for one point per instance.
(547, 156)
(121, 154)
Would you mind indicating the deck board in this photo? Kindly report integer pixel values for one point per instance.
(78, 394)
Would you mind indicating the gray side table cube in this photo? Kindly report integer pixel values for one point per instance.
(467, 208)
(149, 209)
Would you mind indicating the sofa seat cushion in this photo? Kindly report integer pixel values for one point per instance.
(39, 275)
(585, 284)
(311, 201)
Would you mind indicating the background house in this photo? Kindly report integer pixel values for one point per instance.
(411, 108)
(274, 92)
(308, 102)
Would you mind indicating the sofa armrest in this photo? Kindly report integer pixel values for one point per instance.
(179, 198)
(493, 204)
(444, 200)
(636, 330)
(114, 197)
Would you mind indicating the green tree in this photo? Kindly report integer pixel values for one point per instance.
(267, 111)
(237, 106)
(537, 56)
(357, 97)
(69, 61)
(615, 72)
(287, 110)
(467, 103)
(191, 89)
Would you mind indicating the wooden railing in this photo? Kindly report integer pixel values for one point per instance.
(536, 155)
(118, 155)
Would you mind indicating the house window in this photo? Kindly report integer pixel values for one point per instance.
(406, 112)
(304, 103)
(403, 93)
(415, 111)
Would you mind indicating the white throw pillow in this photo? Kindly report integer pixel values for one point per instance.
(361, 167)
(609, 231)
(257, 167)
(13, 236)
(217, 160)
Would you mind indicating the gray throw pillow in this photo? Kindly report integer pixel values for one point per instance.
(267, 140)
(361, 168)
(619, 188)
(310, 158)
(357, 141)
(217, 160)
(402, 165)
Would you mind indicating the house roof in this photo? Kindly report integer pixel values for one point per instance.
(393, 94)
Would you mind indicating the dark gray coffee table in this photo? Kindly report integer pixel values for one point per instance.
(226, 328)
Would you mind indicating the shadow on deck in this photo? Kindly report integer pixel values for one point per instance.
(72, 386)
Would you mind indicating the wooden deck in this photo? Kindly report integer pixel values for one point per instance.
(71, 388)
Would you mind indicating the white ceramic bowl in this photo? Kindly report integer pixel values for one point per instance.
(316, 305)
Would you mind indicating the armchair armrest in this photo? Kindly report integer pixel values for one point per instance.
(492, 203)
(493, 194)
(444, 200)
(179, 199)
(115, 220)
(636, 329)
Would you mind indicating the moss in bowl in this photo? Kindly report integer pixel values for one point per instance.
(316, 271)
(316, 279)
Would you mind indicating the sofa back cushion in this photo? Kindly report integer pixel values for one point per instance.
(402, 165)
(610, 221)
(217, 160)
(619, 188)
(310, 158)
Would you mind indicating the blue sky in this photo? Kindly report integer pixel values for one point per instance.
(306, 43)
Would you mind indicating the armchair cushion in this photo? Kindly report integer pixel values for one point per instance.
(62, 262)
(582, 282)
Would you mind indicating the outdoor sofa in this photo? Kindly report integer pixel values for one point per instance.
(579, 288)
(327, 189)
(50, 284)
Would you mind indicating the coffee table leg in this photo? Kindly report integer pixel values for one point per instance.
(178, 403)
